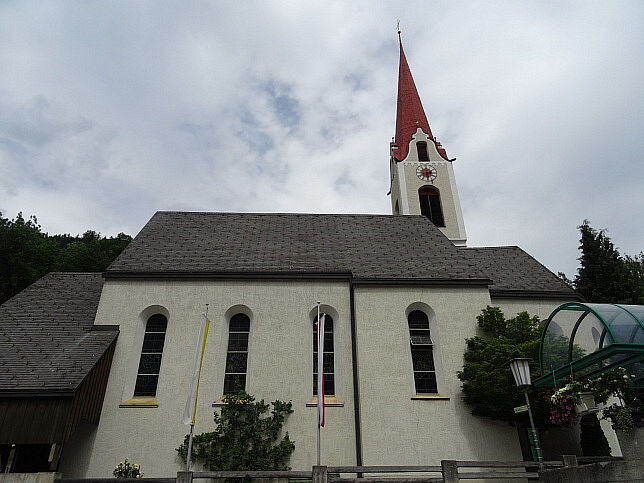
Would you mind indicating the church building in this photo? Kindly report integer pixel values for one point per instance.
(111, 361)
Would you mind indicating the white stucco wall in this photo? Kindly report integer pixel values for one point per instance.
(398, 429)
(541, 307)
(279, 367)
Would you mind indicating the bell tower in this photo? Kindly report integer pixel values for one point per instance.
(421, 173)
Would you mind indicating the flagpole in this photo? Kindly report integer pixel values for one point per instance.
(194, 410)
(319, 355)
(192, 430)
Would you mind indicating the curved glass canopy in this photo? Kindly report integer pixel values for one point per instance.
(583, 340)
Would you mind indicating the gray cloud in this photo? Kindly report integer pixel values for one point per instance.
(113, 110)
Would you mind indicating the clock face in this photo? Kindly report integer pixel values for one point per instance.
(426, 172)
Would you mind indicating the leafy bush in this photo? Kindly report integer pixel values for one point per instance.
(488, 385)
(245, 438)
(125, 469)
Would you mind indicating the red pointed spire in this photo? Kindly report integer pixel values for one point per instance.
(410, 113)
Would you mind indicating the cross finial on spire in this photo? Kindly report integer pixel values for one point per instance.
(398, 27)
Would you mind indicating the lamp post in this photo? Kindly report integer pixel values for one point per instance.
(521, 372)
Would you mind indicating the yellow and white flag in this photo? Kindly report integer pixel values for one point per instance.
(190, 413)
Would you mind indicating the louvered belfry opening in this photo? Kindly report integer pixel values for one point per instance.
(430, 205)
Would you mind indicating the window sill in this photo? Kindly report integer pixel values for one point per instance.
(140, 402)
(439, 397)
(329, 401)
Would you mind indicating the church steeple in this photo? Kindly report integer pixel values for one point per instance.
(410, 114)
(422, 176)
(409, 109)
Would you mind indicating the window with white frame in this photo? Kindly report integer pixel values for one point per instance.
(147, 377)
(422, 352)
(237, 355)
(327, 361)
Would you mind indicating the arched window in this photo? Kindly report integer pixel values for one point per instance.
(327, 361)
(396, 209)
(237, 356)
(147, 376)
(421, 147)
(430, 204)
(422, 352)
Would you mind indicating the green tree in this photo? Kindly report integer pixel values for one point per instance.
(488, 385)
(605, 275)
(633, 289)
(245, 438)
(26, 253)
(90, 252)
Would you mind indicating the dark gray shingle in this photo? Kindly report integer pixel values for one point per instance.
(513, 270)
(372, 247)
(47, 339)
(367, 246)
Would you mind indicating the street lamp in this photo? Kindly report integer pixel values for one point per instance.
(521, 372)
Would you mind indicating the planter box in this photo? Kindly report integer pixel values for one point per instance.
(587, 404)
(631, 443)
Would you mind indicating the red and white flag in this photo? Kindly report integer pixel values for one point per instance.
(320, 335)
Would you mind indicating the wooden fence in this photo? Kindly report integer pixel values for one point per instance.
(449, 471)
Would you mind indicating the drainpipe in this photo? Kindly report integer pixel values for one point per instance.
(356, 389)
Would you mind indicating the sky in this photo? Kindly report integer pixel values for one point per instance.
(112, 110)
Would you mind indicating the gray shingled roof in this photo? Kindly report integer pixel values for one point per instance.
(513, 270)
(379, 247)
(47, 339)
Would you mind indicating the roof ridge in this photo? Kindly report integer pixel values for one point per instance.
(492, 247)
(247, 213)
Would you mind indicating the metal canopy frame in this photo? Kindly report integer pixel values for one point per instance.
(611, 351)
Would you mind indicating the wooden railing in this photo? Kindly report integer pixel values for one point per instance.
(448, 471)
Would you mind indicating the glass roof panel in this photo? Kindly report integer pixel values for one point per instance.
(556, 341)
(575, 330)
(623, 323)
(637, 336)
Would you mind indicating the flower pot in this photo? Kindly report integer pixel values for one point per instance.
(587, 404)
(631, 443)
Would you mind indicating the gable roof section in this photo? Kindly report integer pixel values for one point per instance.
(365, 247)
(516, 273)
(48, 343)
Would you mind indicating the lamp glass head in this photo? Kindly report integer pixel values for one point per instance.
(521, 371)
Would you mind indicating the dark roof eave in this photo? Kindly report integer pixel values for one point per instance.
(443, 282)
(180, 275)
(38, 392)
(551, 294)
